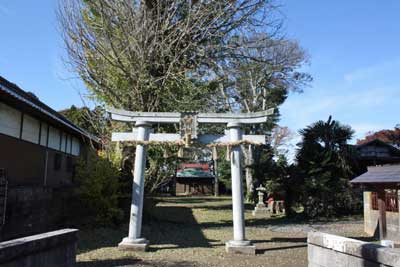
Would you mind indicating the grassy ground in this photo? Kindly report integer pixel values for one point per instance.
(192, 232)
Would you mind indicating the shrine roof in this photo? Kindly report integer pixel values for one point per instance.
(386, 174)
(194, 173)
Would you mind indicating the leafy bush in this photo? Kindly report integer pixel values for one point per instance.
(98, 190)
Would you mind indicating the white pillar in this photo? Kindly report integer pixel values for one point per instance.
(237, 185)
(239, 244)
(134, 241)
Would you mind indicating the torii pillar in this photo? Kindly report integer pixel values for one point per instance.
(239, 244)
(134, 240)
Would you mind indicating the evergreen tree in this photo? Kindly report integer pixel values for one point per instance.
(327, 163)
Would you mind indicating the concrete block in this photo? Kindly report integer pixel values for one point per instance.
(140, 244)
(244, 247)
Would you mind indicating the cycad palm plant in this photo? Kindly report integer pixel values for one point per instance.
(327, 163)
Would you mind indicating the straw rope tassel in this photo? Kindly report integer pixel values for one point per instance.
(228, 152)
(214, 153)
(180, 152)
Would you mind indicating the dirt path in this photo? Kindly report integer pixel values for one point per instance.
(192, 231)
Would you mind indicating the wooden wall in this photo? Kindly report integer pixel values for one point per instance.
(194, 186)
(25, 163)
(20, 125)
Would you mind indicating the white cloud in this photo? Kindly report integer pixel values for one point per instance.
(372, 71)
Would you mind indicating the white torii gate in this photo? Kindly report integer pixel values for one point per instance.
(142, 134)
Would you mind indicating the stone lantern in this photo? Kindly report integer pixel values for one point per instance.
(260, 208)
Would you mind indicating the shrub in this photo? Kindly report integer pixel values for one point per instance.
(98, 190)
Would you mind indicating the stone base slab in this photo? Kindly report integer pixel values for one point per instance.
(140, 244)
(261, 206)
(261, 211)
(240, 247)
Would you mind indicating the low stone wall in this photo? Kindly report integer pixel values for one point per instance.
(27, 211)
(325, 250)
(35, 209)
(51, 249)
(371, 220)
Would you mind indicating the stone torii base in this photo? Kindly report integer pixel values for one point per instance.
(140, 244)
(240, 247)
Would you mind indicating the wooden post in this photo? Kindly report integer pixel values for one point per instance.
(382, 212)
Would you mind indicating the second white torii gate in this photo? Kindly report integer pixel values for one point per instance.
(188, 125)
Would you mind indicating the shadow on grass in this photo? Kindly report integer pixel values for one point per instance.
(175, 226)
(215, 207)
(108, 263)
(190, 200)
(283, 240)
(255, 222)
(162, 225)
(132, 262)
(263, 251)
(90, 239)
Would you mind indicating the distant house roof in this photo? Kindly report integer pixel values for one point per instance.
(11, 94)
(386, 174)
(377, 152)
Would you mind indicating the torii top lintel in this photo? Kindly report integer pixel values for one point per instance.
(175, 117)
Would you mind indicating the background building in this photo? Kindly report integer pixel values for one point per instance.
(377, 152)
(194, 179)
(39, 149)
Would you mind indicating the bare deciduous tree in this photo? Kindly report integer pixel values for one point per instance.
(281, 140)
(174, 55)
(156, 55)
(259, 77)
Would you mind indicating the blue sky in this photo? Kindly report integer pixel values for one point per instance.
(353, 47)
(355, 61)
